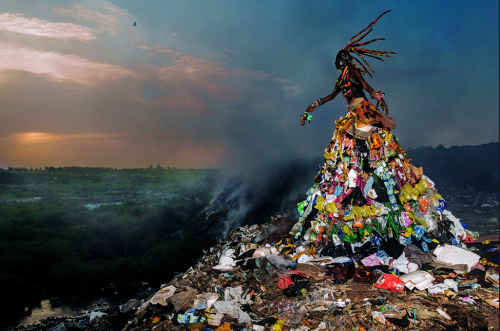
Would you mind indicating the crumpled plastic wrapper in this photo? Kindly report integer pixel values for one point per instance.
(162, 295)
(183, 300)
(232, 303)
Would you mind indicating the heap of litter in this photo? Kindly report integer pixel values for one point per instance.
(262, 278)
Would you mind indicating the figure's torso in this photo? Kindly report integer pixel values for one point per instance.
(352, 89)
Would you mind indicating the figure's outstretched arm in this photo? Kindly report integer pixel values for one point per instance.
(306, 117)
(357, 74)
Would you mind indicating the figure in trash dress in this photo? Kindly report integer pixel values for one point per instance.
(367, 189)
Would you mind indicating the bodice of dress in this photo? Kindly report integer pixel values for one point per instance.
(352, 89)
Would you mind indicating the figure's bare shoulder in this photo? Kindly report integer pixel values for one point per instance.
(356, 73)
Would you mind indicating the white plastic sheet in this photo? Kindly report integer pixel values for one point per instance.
(209, 297)
(417, 279)
(457, 229)
(162, 295)
(278, 261)
(215, 319)
(232, 309)
(226, 262)
(456, 255)
(261, 251)
(340, 259)
(234, 294)
(440, 288)
(304, 258)
(402, 264)
(231, 305)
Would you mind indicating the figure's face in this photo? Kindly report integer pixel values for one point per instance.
(340, 64)
(342, 60)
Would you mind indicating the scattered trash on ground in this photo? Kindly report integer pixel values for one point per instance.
(275, 292)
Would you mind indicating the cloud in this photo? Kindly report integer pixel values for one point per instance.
(32, 138)
(193, 66)
(288, 86)
(105, 15)
(58, 66)
(37, 27)
(158, 50)
(230, 50)
(192, 83)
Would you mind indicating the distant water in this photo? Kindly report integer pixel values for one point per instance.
(91, 206)
(68, 308)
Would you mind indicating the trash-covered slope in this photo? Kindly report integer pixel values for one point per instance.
(248, 281)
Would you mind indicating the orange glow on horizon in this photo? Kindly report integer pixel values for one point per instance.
(30, 149)
(28, 138)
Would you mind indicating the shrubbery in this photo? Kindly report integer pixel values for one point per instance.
(66, 249)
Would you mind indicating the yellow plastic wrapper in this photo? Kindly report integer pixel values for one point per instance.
(356, 211)
(330, 155)
(408, 193)
(331, 208)
(369, 211)
(408, 232)
(422, 186)
(435, 199)
(419, 220)
(404, 195)
(278, 325)
(320, 201)
(347, 230)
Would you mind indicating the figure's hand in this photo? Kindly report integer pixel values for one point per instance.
(384, 106)
(303, 119)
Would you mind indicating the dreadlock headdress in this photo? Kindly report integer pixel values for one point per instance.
(353, 46)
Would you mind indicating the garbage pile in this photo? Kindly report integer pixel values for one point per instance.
(262, 278)
(255, 280)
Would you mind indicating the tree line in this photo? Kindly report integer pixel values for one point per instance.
(61, 248)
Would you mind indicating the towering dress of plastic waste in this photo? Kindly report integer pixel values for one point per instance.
(367, 189)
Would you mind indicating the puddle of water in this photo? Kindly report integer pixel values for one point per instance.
(91, 206)
(68, 308)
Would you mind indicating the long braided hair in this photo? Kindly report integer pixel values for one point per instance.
(353, 47)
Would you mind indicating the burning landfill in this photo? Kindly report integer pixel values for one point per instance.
(374, 249)
(264, 277)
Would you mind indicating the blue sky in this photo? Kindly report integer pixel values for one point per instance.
(222, 83)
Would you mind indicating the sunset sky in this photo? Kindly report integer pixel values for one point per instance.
(223, 83)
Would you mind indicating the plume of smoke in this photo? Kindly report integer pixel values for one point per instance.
(252, 195)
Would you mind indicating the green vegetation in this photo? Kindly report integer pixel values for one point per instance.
(88, 229)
